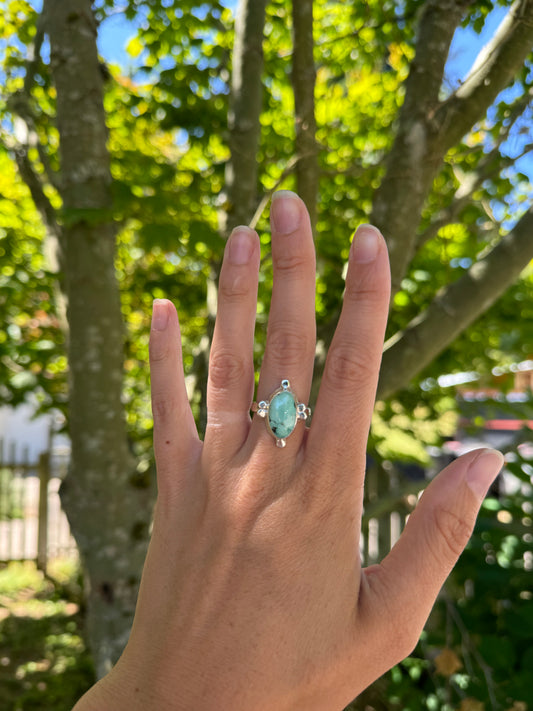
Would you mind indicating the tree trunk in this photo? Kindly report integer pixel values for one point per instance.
(109, 509)
(241, 169)
(303, 83)
(244, 114)
(413, 162)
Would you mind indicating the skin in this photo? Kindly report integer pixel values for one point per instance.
(253, 595)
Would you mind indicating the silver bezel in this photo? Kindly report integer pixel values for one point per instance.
(262, 409)
(285, 387)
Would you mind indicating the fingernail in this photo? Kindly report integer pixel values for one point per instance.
(285, 212)
(365, 244)
(159, 315)
(483, 471)
(240, 245)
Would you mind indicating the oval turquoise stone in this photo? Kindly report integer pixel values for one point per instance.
(282, 414)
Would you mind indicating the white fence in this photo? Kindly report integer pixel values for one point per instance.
(32, 524)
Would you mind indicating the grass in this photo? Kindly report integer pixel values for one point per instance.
(44, 664)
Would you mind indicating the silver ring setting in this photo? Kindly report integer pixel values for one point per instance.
(282, 412)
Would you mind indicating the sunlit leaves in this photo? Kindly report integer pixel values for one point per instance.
(168, 140)
(30, 345)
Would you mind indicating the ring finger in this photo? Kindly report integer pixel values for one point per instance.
(291, 333)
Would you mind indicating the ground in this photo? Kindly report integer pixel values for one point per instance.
(44, 664)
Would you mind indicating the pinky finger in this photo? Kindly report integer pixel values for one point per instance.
(175, 435)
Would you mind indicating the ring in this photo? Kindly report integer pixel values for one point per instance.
(282, 412)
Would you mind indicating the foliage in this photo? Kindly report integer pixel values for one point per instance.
(476, 652)
(31, 344)
(10, 497)
(169, 145)
(44, 662)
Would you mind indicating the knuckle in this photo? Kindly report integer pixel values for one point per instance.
(349, 365)
(453, 531)
(158, 348)
(363, 292)
(162, 407)
(368, 287)
(290, 262)
(226, 369)
(234, 287)
(401, 643)
(287, 346)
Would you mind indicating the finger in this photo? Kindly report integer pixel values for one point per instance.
(231, 365)
(405, 585)
(291, 333)
(175, 435)
(346, 399)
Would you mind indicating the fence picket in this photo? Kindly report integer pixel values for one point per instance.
(42, 531)
(32, 524)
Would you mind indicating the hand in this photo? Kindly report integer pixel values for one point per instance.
(253, 597)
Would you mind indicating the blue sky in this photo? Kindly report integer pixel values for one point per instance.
(466, 45)
(116, 31)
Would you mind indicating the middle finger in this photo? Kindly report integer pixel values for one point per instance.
(291, 332)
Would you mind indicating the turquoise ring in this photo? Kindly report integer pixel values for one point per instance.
(282, 412)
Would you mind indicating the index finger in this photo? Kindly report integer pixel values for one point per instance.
(343, 412)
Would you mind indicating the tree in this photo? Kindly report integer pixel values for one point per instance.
(348, 103)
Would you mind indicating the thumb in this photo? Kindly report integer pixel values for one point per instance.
(409, 578)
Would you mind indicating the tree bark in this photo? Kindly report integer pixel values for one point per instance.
(244, 114)
(455, 307)
(244, 127)
(493, 70)
(108, 509)
(428, 128)
(412, 161)
(303, 83)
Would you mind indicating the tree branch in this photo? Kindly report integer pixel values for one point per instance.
(413, 161)
(26, 170)
(19, 105)
(267, 196)
(25, 126)
(243, 116)
(303, 84)
(241, 169)
(34, 53)
(455, 307)
(53, 246)
(493, 70)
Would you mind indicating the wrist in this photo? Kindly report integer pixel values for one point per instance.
(123, 689)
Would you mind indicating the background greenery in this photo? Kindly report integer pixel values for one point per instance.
(44, 663)
(169, 145)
